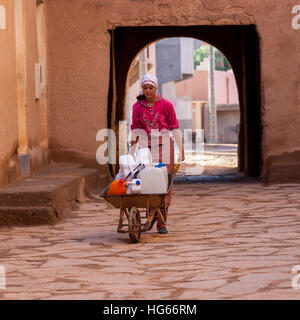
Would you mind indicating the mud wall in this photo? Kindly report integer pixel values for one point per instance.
(33, 119)
(79, 65)
(20, 110)
(9, 169)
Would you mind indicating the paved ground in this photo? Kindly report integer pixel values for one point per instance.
(215, 159)
(226, 241)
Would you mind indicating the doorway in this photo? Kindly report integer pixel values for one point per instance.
(241, 47)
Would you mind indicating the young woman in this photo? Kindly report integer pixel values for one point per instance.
(152, 114)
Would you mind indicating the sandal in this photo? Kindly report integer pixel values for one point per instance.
(162, 230)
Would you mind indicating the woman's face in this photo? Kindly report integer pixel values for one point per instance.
(149, 91)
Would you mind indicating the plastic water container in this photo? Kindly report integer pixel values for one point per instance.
(154, 179)
(143, 156)
(134, 186)
(127, 163)
(117, 187)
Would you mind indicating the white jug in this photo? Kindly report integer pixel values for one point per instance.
(143, 156)
(127, 164)
(134, 186)
(154, 179)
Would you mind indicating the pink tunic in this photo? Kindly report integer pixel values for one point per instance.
(161, 116)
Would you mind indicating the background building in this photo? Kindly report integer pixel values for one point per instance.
(175, 63)
(64, 64)
(188, 89)
(226, 98)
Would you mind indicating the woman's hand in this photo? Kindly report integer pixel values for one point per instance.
(181, 156)
(178, 138)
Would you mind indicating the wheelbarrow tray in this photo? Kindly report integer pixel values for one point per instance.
(137, 200)
(131, 205)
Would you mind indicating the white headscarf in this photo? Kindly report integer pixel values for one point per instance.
(149, 79)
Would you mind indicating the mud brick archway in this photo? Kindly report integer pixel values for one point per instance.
(239, 44)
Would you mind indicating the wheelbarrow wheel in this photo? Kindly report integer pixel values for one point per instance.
(134, 225)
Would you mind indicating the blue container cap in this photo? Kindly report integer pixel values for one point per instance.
(138, 182)
(160, 165)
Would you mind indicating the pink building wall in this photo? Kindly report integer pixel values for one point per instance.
(225, 90)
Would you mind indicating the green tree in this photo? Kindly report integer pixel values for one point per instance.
(221, 61)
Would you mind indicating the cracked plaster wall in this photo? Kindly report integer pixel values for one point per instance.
(9, 168)
(79, 62)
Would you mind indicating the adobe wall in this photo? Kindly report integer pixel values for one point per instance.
(79, 64)
(8, 105)
(20, 114)
(32, 105)
(78, 78)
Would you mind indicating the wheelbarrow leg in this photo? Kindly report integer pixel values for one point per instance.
(151, 218)
(161, 217)
(123, 212)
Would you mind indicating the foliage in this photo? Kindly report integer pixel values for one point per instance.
(221, 62)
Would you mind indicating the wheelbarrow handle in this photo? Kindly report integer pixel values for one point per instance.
(175, 169)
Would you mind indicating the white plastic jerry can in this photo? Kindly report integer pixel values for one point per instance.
(143, 156)
(154, 179)
(127, 163)
(134, 186)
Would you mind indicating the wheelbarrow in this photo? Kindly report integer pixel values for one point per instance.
(138, 212)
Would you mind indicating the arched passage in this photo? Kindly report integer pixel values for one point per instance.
(241, 47)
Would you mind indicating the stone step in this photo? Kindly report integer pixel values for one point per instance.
(21, 199)
(46, 196)
(14, 216)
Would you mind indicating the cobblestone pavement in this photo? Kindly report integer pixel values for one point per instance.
(226, 241)
(214, 160)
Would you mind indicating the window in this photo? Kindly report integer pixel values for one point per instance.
(2, 18)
